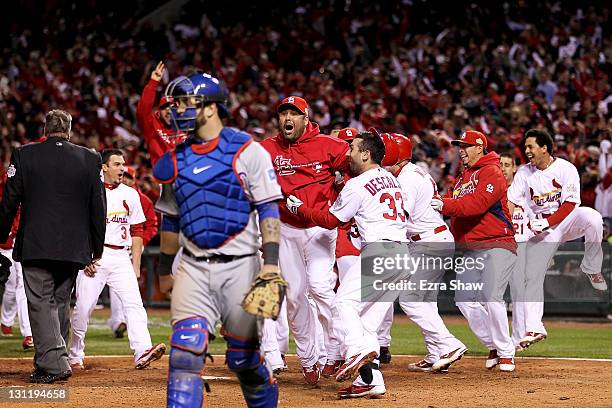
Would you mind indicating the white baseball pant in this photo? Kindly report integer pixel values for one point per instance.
(117, 314)
(14, 302)
(275, 339)
(517, 294)
(423, 310)
(306, 262)
(115, 269)
(384, 330)
(582, 222)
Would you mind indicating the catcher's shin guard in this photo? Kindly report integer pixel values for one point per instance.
(259, 388)
(189, 343)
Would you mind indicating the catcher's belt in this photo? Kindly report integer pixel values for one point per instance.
(215, 258)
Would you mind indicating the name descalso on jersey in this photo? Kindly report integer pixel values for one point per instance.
(376, 201)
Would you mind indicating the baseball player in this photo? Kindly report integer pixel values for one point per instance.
(348, 249)
(161, 134)
(222, 183)
(305, 162)
(124, 217)
(522, 233)
(149, 228)
(157, 127)
(550, 187)
(14, 302)
(480, 222)
(429, 236)
(375, 201)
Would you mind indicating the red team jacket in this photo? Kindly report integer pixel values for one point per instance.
(478, 205)
(306, 169)
(158, 137)
(150, 225)
(8, 244)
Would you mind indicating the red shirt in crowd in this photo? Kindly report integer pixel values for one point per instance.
(158, 136)
(478, 205)
(306, 169)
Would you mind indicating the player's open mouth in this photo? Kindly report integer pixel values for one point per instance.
(288, 128)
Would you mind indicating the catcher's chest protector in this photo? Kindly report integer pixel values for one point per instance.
(212, 203)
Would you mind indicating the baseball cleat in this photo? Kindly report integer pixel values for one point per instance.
(28, 343)
(362, 391)
(492, 360)
(77, 366)
(598, 281)
(152, 354)
(353, 364)
(120, 331)
(449, 358)
(331, 368)
(506, 364)
(531, 338)
(385, 355)
(421, 366)
(6, 330)
(312, 374)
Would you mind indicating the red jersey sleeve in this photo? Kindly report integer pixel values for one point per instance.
(322, 218)
(150, 226)
(489, 190)
(144, 110)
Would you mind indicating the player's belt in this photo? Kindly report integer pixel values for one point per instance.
(115, 246)
(436, 230)
(215, 258)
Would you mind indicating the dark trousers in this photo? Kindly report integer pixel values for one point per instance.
(48, 285)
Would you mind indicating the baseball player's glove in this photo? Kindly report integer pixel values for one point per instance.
(265, 297)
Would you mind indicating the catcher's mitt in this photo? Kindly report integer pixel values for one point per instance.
(265, 297)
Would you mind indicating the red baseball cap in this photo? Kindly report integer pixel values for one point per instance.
(347, 134)
(294, 102)
(471, 138)
(131, 171)
(165, 100)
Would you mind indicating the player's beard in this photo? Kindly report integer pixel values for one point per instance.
(296, 132)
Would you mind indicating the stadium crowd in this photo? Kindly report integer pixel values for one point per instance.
(405, 66)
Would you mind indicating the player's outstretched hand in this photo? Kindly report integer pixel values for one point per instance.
(158, 72)
(539, 225)
(266, 295)
(437, 203)
(293, 203)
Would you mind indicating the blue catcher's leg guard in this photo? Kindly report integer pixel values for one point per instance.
(189, 343)
(259, 388)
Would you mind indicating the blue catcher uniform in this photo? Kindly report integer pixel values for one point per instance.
(218, 186)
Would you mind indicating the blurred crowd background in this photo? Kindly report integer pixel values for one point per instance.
(428, 69)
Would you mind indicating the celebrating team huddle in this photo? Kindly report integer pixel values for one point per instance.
(271, 237)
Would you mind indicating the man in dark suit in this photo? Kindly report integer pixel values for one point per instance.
(61, 230)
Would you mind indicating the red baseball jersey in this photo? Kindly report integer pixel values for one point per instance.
(306, 169)
(158, 137)
(478, 205)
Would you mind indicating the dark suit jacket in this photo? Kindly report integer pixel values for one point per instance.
(63, 214)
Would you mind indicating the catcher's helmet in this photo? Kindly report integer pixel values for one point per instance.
(195, 90)
(404, 145)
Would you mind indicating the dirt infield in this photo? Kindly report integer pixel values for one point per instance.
(110, 382)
